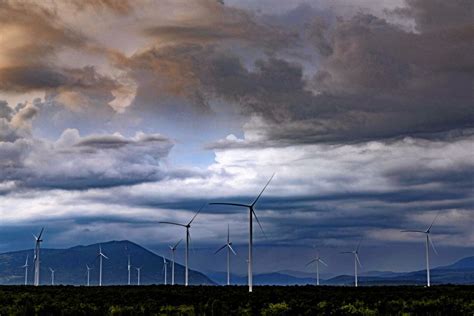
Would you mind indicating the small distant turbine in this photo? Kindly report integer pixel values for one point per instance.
(52, 276)
(138, 276)
(317, 260)
(427, 243)
(25, 266)
(129, 267)
(228, 245)
(188, 237)
(251, 215)
(100, 256)
(38, 241)
(165, 270)
(357, 263)
(88, 274)
(173, 249)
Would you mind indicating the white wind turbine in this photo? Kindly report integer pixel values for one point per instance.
(317, 260)
(129, 267)
(173, 249)
(88, 274)
(188, 237)
(165, 270)
(25, 266)
(228, 245)
(101, 255)
(38, 241)
(52, 275)
(427, 243)
(138, 276)
(251, 215)
(357, 263)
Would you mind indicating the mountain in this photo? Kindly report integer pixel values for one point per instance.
(460, 272)
(70, 265)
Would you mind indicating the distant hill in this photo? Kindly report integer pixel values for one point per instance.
(460, 272)
(70, 265)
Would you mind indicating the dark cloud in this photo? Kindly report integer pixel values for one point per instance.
(75, 163)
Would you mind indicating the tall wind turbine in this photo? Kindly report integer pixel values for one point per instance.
(251, 214)
(25, 266)
(38, 241)
(165, 270)
(228, 245)
(188, 237)
(173, 249)
(52, 275)
(427, 243)
(129, 267)
(317, 260)
(101, 255)
(88, 275)
(138, 278)
(357, 263)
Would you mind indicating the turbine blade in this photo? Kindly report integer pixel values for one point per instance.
(314, 260)
(176, 245)
(358, 245)
(171, 223)
(346, 252)
(263, 190)
(432, 245)
(412, 231)
(41, 233)
(34, 236)
(258, 221)
(428, 230)
(104, 256)
(358, 261)
(220, 249)
(231, 249)
(321, 260)
(199, 211)
(233, 204)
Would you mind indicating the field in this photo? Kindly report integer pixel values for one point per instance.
(235, 300)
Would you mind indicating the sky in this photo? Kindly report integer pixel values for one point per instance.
(117, 114)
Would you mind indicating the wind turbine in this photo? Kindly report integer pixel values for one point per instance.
(138, 271)
(228, 245)
(165, 269)
(52, 275)
(129, 267)
(173, 249)
(317, 260)
(188, 237)
(38, 241)
(355, 252)
(25, 266)
(251, 214)
(428, 241)
(101, 255)
(88, 274)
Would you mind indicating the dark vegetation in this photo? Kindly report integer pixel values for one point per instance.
(235, 300)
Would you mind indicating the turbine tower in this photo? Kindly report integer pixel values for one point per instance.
(317, 260)
(173, 249)
(357, 263)
(138, 278)
(251, 214)
(52, 276)
(188, 237)
(165, 270)
(228, 245)
(428, 242)
(101, 255)
(25, 266)
(38, 241)
(88, 274)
